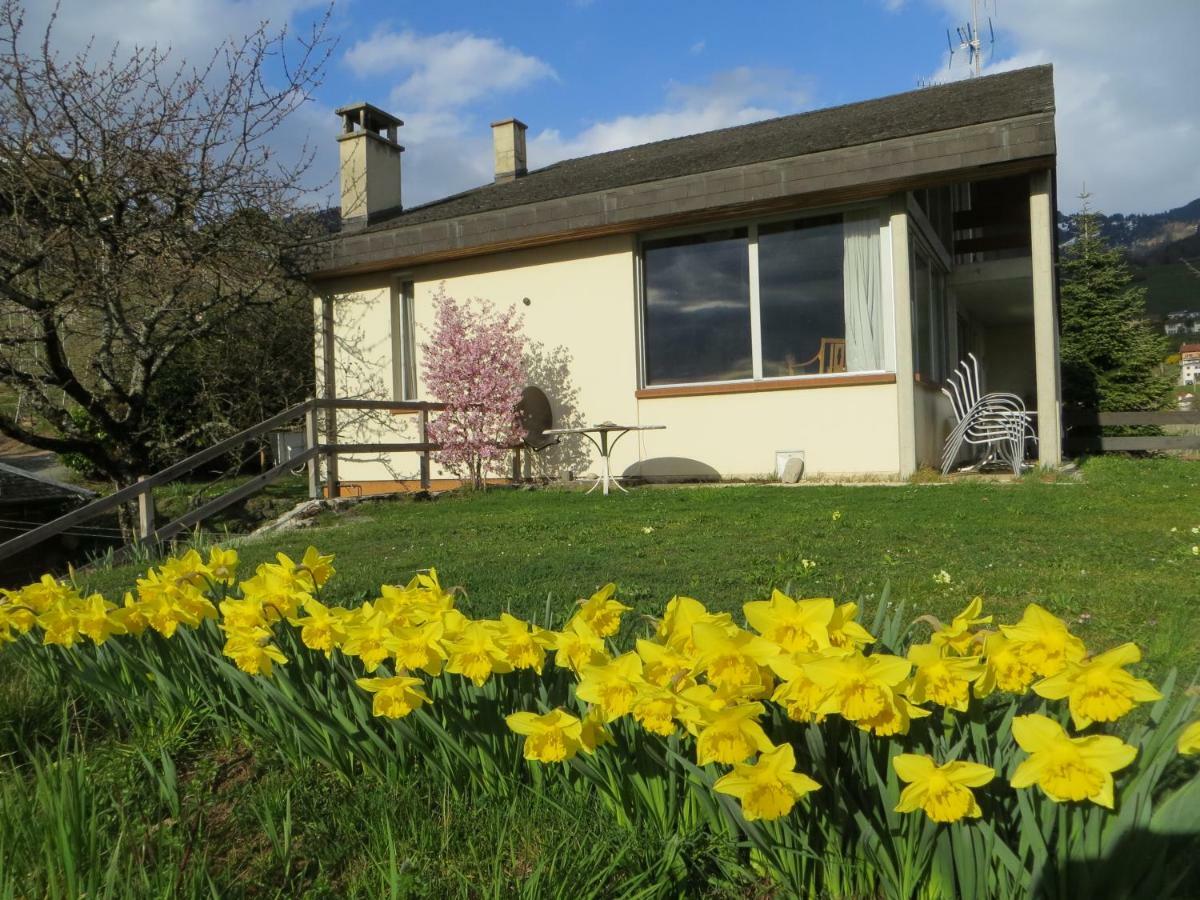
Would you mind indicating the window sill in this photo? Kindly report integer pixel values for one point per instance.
(771, 384)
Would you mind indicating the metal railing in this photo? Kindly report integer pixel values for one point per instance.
(314, 451)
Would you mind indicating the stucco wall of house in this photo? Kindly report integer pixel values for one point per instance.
(934, 420)
(581, 322)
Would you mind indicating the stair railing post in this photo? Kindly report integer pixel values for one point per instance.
(145, 513)
(423, 436)
(311, 438)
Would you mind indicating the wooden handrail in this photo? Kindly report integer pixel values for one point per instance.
(141, 491)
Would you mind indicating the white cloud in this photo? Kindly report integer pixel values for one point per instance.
(446, 70)
(191, 28)
(697, 48)
(733, 97)
(1128, 112)
(893, 6)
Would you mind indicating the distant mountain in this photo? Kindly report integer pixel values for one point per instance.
(1161, 246)
(1143, 234)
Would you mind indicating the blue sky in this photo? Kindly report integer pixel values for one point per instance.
(592, 75)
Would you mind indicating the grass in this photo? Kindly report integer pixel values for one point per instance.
(177, 809)
(1099, 552)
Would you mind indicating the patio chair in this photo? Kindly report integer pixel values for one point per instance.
(997, 422)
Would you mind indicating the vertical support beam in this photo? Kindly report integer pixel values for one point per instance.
(1045, 318)
(902, 307)
(311, 439)
(423, 437)
(145, 513)
(330, 391)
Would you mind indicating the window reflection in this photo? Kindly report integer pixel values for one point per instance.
(697, 315)
(801, 297)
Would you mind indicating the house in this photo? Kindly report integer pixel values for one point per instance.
(1189, 364)
(803, 284)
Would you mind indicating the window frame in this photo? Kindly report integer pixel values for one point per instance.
(404, 341)
(752, 226)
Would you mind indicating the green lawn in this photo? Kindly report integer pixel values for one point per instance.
(1099, 551)
(99, 806)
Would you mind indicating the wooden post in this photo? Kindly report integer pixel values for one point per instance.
(423, 437)
(145, 513)
(310, 440)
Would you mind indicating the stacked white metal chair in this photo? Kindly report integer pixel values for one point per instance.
(996, 422)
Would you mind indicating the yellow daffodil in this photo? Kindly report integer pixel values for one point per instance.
(476, 653)
(577, 645)
(222, 564)
(278, 589)
(419, 647)
(251, 650)
(681, 615)
(943, 792)
(15, 617)
(130, 616)
(247, 613)
(859, 687)
(186, 569)
(733, 659)
(601, 612)
(731, 735)
(957, 637)
(59, 626)
(45, 593)
(798, 694)
(555, 737)
(94, 620)
(844, 630)
(594, 732)
(524, 644)
(1006, 668)
(1099, 689)
(369, 637)
(1044, 641)
(944, 680)
(1068, 768)
(395, 697)
(320, 568)
(657, 708)
(662, 664)
(1189, 740)
(323, 628)
(796, 626)
(770, 787)
(611, 687)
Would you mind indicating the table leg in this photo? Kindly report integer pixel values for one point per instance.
(604, 454)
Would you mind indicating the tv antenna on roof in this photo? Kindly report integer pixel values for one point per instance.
(970, 39)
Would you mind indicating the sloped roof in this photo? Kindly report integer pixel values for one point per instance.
(970, 102)
(22, 486)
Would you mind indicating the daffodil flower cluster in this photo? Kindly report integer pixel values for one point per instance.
(697, 676)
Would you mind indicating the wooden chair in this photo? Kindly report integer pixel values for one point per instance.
(829, 358)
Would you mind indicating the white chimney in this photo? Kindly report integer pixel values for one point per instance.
(508, 144)
(369, 164)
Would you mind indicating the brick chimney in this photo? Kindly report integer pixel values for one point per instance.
(369, 164)
(508, 144)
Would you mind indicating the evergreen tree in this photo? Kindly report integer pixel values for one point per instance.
(1111, 357)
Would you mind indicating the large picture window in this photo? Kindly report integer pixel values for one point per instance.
(776, 300)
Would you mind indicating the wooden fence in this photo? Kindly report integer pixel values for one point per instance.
(1084, 430)
(314, 450)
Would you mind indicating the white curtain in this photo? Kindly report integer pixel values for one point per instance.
(863, 291)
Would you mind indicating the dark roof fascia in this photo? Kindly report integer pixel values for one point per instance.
(1022, 144)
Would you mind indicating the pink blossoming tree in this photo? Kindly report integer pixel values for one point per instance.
(473, 364)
